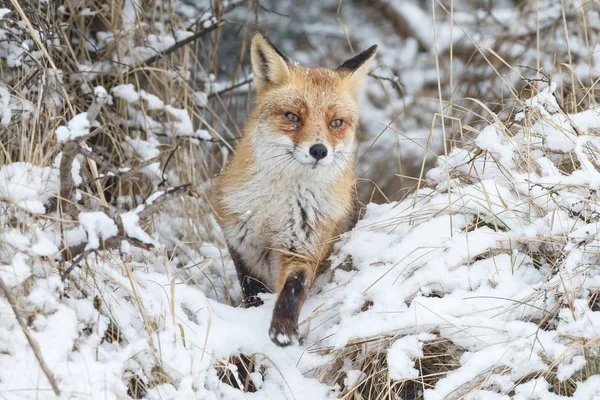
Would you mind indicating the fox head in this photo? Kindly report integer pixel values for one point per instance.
(305, 115)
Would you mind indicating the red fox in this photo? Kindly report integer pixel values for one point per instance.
(288, 192)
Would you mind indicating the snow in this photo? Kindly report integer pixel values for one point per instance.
(456, 261)
(152, 101)
(44, 246)
(401, 355)
(200, 99)
(147, 149)
(132, 228)
(97, 225)
(100, 92)
(78, 126)
(28, 185)
(126, 92)
(203, 134)
(17, 271)
(182, 127)
(180, 123)
(11, 106)
(5, 110)
(451, 265)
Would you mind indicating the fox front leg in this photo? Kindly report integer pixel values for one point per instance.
(251, 286)
(293, 284)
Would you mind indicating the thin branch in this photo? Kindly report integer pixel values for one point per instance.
(76, 260)
(124, 174)
(168, 194)
(183, 42)
(93, 133)
(211, 140)
(226, 7)
(99, 159)
(137, 168)
(230, 88)
(32, 342)
(164, 180)
(394, 80)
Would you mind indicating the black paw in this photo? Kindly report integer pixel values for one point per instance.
(283, 331)
(252, 301)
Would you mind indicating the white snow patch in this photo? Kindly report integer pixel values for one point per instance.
(78, 126)
(28, 185)
(97, 225)
(126, 92)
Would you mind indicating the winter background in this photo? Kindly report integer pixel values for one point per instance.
(473, 274)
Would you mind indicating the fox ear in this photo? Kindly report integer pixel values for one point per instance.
(354, 70)
(269, 64)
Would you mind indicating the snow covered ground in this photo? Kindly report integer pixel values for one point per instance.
(496, 256)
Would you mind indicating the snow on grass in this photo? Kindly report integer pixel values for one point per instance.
(471, 259)
(97, 225)
(126, 92)
(28, 185)
(78, 126)
(482, 284)
(180, 123)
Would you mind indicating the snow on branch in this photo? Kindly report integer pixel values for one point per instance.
(105, 232)
(210, 26)
(76, 131)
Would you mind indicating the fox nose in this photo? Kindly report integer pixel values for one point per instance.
(318, 151)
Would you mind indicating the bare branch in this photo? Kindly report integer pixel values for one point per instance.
(226, 7)
(99, 159)
(92, 133)
(100, 98)
(151, 208)
(66, 178)
(71, 148)
(202, 32)
(230, 88)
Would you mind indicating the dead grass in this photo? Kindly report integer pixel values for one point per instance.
(237, 372)
(440, 356)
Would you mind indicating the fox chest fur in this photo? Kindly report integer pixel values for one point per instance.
(281, 208)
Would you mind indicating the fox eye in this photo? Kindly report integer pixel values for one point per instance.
(336, 123)
(291, 116)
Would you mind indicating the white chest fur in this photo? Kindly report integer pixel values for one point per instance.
(280, 209)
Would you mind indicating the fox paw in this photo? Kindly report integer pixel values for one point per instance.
(283, 332)
(252, 301)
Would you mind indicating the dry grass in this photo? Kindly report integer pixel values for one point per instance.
(54, 101)
(440, 356)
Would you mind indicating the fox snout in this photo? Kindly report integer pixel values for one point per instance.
(314, 153)
(318, 151)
